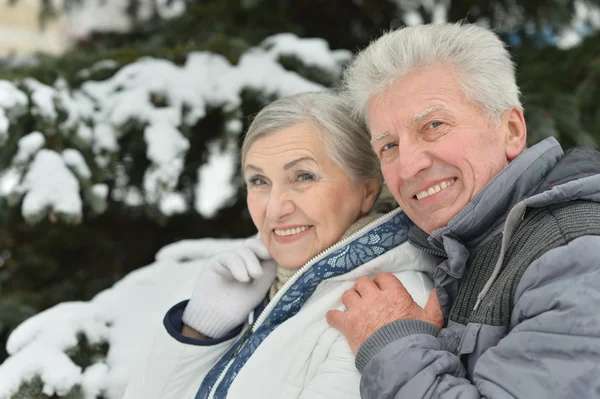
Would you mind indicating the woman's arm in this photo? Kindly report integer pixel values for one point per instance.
(174, 364)
(189, 332)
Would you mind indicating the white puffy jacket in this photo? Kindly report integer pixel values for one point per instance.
(303, 357)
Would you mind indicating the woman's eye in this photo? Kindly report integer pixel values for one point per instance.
(305, 177)
(257, 181)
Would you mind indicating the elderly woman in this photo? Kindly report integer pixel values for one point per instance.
(255, 325)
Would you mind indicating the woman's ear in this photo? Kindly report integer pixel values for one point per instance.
(372, 187)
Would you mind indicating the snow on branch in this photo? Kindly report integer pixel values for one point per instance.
(13, 103)
(161, 101)
(90, 348)
(49, 184)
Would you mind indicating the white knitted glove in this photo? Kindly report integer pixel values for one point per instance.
(229, 287)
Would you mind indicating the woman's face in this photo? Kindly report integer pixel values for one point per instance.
(300, 200)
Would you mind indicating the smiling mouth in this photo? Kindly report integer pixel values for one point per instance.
(435, 189)
(291, 232)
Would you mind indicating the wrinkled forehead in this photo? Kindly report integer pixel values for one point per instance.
(278, 149)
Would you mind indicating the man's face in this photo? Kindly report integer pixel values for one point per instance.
(437, 149)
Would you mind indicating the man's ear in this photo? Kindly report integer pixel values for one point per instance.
(513, 124)
(372, 187)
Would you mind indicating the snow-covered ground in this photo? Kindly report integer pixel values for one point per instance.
(124, 316)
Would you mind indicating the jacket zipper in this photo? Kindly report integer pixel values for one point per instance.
(431, 251)
(243, 340)
(289, 283)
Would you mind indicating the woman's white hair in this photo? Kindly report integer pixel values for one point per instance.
(346, 141)
(485, 69)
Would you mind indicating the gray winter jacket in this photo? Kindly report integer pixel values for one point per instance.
(519, 287)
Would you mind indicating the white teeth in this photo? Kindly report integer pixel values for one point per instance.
(434, 189)
(290, 232)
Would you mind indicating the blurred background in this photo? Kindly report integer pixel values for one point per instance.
(120, 120)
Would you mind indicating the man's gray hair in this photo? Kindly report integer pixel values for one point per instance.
(346, 141)
(485, 69)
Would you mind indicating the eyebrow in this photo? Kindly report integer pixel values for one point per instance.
(427, 111)
(416, 118)
(285, 167)
(291, 164)
(259, 170)
(379, 137)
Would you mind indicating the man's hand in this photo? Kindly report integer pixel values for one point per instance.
(374, 303)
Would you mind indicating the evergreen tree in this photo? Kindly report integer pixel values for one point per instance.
(129, 140)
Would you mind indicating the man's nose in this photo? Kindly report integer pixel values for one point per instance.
(413, 157)
(280, 204)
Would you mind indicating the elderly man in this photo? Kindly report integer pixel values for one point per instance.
(515, 310)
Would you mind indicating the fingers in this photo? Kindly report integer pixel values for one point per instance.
(251, 262)
(365, 286)
(387, 281)
(258, 247)
(336, 319)
(350, 298)
(433, 310)
(231, 265)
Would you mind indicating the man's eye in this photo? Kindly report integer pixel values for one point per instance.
(388, 146)
(435, 124)
(305, 177)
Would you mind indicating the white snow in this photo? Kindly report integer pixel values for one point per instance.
(98, 66)
(105, 138)
(9, 180)
(172, 204)
(85, 133)
(124, 316)
(312, 52)
(100, 190)
(165, 143)
(568, 38)
(75, 160)
(13, 102)
(88, 16)
(215, 179)
(585, 18)
(163, 99)
(234, 126)
(412, 18)
(50, 184)
(42, 98)
(28, 145)
(164, 96)
(4, 124)
(133, 197)
(10, 96)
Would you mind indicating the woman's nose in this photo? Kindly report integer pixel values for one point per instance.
(280, 205)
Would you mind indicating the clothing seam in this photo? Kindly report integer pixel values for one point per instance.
(554, 183)
(588, 155)
(511, 186)
(560, 229)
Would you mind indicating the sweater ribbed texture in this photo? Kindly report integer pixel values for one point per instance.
(390, 333)
(542, 230)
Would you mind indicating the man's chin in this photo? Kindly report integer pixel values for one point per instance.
(429, 224)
